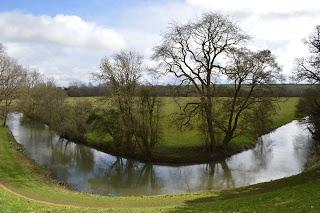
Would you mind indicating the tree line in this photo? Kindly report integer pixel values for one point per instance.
(78, 89)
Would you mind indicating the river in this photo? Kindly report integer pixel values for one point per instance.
(279, 154)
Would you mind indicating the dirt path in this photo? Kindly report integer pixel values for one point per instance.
(41, 201)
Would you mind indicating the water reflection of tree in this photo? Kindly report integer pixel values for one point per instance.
(302, 145)
(72, 155)
(216, 175)
(84, 158)
(148, 176)
(65, 157)
(59, 151)
(129, 177)
(227, 174)
(262, 153)
(208, 173)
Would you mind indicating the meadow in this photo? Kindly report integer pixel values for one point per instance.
(176, 145)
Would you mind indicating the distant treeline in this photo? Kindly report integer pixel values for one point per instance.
(221, 90)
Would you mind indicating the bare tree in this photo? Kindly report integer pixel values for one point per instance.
(308, 68)
(248, 71)
(194, 53)
(12, 77)
(1, 49)
(42, 100)
(27, 102)
(148, 120)
(122, 73)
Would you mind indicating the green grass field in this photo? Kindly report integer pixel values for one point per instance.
(176, 145)
(25, 188)
(173, 137)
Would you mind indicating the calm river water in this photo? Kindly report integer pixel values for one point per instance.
(278, 154)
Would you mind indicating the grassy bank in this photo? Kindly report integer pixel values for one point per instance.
(176, 146)
(27, 189)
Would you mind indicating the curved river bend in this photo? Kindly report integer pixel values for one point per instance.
(279, 154)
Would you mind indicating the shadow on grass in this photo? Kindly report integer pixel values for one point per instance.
(228, 199)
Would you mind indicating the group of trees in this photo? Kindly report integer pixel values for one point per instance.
(133, 122)
(198, 54)
(78, 89)
(41, 100)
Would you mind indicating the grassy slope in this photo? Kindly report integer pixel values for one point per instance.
(296, 194)
(299, 193)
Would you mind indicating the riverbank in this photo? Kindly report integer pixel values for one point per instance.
(28, 189)
(176, 147)
(314, 156)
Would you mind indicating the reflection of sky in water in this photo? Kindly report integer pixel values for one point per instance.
(279, 154)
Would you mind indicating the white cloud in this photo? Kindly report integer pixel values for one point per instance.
(276, 25)
(143, 25)
(59, 30)
(70, 48)
(278, 6)
(64, 64)
(66, 48)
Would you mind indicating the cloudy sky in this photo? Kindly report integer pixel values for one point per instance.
(67, 39)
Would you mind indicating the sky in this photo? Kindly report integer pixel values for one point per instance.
(66, 39)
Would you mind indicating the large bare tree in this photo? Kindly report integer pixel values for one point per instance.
(195, 53)
(308, 68)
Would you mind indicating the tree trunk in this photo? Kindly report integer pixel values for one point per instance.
(209, 119)
(227, 138)
(4, 120)
(5, 115)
